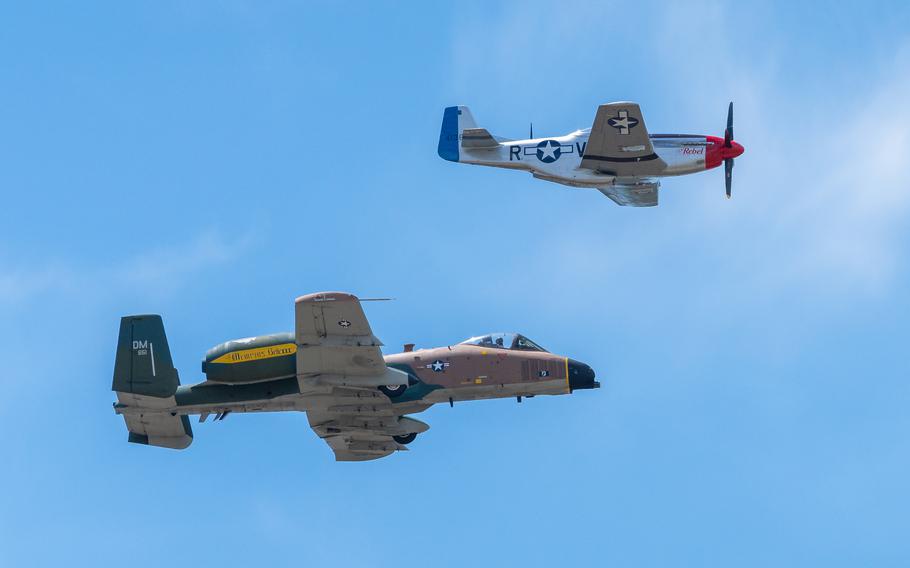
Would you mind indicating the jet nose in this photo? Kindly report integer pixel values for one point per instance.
(581, 376)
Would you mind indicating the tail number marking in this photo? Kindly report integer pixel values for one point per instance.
(143, 347)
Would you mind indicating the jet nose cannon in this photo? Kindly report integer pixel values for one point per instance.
(581, 376)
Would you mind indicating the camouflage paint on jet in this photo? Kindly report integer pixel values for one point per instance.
(331, 367)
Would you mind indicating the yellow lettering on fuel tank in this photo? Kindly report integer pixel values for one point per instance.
(257, 354)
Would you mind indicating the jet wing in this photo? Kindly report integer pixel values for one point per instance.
(334, 337)
(363, 431)
(359, 443)
(633, 194)
(336, 349)
(619, 143)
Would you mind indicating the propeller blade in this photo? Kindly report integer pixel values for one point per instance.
(728, 133)
(728, 176)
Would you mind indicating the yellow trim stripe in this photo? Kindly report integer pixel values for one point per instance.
(247, 355)
(568, 388)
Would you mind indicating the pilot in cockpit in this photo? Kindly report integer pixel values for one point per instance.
(512, 341)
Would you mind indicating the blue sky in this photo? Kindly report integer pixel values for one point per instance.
(211, 161)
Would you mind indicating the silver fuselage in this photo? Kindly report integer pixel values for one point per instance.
(683, 154)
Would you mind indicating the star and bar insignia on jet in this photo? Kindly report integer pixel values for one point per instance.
(438, 366)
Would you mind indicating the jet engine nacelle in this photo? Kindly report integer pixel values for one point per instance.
(251, 360)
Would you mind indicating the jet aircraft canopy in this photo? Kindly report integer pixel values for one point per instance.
(513, 341)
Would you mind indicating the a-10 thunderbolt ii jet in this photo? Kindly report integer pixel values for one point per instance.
(331, 367)
(616, 155)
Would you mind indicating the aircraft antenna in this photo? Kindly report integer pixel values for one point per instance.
(531, 136)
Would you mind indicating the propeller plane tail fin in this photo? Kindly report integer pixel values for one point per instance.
(460, 131)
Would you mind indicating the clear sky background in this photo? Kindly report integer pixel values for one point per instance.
(211, 161)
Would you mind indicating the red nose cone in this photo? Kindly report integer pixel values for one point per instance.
(717, 152)
(735, 151)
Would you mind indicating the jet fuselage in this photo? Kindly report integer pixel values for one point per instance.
(443, 374)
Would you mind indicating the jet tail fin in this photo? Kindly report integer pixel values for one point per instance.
(146, 381)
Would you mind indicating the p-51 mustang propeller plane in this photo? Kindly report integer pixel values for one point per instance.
(331, 367)
(616, 155)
